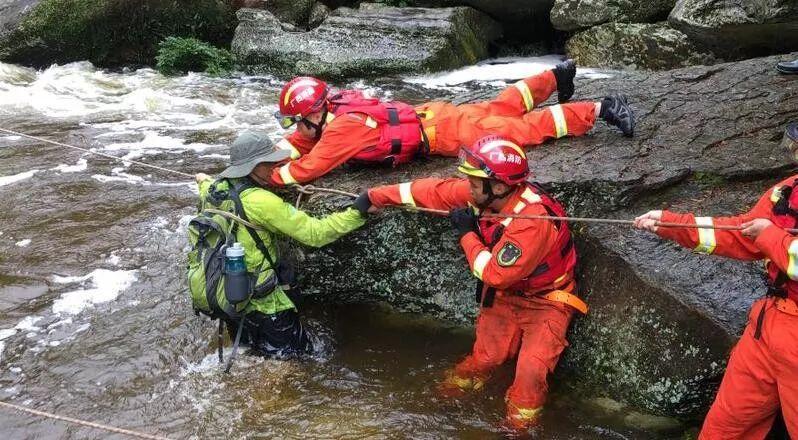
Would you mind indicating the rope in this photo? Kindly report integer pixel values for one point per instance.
(310, 189)
(143, 164)
(82, 422)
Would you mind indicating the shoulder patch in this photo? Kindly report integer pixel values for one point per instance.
(508, 254)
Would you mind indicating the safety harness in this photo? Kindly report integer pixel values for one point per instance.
(401, 137)
(553, 277)
(784, 216)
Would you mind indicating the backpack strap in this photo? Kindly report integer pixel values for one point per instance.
(235, 191)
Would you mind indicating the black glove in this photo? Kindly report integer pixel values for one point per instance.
(363, 203)
(464, 220)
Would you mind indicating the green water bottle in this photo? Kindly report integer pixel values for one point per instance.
(236, 279)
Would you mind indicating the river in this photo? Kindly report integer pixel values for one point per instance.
(95, 322)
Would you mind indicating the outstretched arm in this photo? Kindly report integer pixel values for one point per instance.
(275, 214)
(432, 193)
(727, 243)
(341, 140)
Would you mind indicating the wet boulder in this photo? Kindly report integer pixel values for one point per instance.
(662, 319)
(739, 29)
(295, 12)
(105, 32)
(642, 46)
(371, 40)
(571, 15)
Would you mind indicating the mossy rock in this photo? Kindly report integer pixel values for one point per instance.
(643, 46)
(372, 40)
(110, 32)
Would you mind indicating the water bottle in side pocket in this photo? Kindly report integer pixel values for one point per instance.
(237, 283)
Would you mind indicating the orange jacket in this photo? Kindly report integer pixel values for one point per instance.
(342, 139)
(773, 244)
(534, 238)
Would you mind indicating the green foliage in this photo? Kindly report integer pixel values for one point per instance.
(114, 32)
(177, 55)
(708, 179)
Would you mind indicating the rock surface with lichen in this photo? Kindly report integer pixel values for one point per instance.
(369, 41)
(633, 45)
(662, 319)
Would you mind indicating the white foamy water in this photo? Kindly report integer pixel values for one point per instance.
(106, 285)
(154, 143)
(23, 243)
(82, 165)
(496, 71)
(8, 180)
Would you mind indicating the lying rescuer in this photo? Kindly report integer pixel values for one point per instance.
(336, 128)
(762, 374)
(525, 270)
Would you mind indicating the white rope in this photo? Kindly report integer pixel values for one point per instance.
(143, 164)
(82, 422)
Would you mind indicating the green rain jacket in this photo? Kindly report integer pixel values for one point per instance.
(269, 211)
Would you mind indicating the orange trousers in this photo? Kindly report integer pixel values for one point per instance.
(531, 329)
(762, 376)
(511, 114)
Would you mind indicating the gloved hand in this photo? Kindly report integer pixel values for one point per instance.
(464, 220)
(362, 203)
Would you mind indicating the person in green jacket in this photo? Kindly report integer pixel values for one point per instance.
(271, 321)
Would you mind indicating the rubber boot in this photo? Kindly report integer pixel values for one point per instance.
(454, 386)
(616, 111)
(788, 67)
(565, 73)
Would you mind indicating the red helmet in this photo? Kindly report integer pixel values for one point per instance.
(300, 97)
(494, 157)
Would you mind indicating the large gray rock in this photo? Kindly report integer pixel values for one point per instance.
(12, 12)
(662, 320)
(740, 27)
(106, 32)
(571, 15)
(295, 12)
(371, 40)
(642, 46)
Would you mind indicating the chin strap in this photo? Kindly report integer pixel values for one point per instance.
(317, 127)
(487, 189)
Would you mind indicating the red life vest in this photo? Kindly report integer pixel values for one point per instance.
(556, 271)
(784, 215)
(400, 128)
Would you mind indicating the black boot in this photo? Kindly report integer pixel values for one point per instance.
(616, 111)
(565, 73)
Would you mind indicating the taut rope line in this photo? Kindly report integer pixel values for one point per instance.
(82, 422)
(110, 156)
(310, 189)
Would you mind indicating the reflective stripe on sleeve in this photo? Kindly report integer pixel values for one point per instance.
(775, 195)
(792, 267)
(526, 94)
(482, 260)
(285, 174)
(560, 126)
(285, 145)
(530, 196)
(706, 237)
(406, 195)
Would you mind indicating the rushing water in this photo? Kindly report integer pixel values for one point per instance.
(94, 319)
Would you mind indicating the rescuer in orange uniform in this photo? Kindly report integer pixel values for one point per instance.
(350, 127)
(525, 269)
(762, 374)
